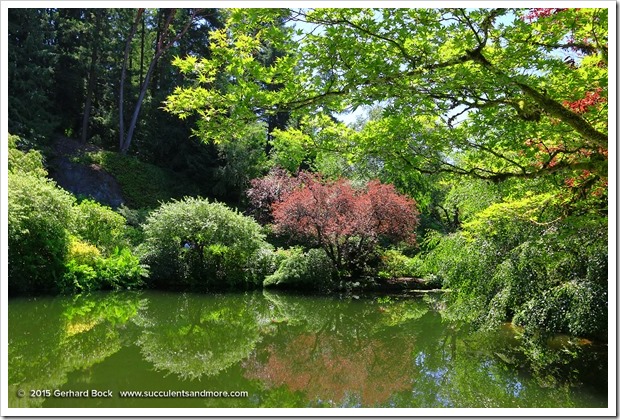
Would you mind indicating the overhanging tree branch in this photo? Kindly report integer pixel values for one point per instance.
(549, 105)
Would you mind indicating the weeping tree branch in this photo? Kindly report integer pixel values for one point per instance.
(435, 165)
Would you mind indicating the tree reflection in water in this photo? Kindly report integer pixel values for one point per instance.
(57, 336)
(199, 336)
(289, 351)
(338, 352)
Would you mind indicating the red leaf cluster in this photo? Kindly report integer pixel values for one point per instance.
(590, 100)
(536, 13)
(331, 212)
(346, 222)
(587, 183)
(547, 156)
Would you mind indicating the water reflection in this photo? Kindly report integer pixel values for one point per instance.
(338, 352)
(288, 351)
(50, 337)
(199, 336)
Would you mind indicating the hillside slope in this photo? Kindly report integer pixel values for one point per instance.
(114, 179)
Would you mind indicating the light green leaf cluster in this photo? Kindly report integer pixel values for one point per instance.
(228, 89)
(100, 225)
(530, 209)
(290, 148)
(24, 162)
(465, 89)
(196, 243)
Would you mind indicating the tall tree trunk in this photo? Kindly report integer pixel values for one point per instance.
(158, 40)
(121, 122)
(161, 48)
(92, 75)
(142, 53)
(134, 119)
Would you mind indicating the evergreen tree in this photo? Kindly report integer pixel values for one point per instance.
(31, 63)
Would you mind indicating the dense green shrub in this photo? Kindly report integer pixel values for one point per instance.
(134, 218)
(548, 275)
(87, 269)
(395, 264)
(78, 278)
(122, 269)
(38, 216)
(311, 270)
(197, 244)
(100, 225)
(56, 245)
(99, 257)
(28, 162)
(81, 262)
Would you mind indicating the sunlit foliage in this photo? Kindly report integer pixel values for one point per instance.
(198, 244)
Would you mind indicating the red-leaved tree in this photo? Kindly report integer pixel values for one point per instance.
(347, 223)
(270, 189)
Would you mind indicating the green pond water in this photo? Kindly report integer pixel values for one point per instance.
(282, 350)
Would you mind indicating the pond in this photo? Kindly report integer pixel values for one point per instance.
(278, 350)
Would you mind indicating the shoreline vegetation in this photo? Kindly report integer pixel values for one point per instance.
(205, 149)
(104, 248)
